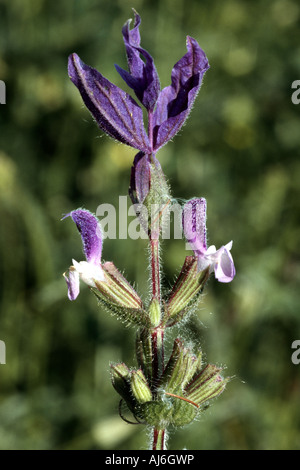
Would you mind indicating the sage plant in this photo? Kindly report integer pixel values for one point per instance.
(160, 392)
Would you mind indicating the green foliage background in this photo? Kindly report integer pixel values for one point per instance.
(239, 149)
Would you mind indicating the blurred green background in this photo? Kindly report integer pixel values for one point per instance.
(239, 149)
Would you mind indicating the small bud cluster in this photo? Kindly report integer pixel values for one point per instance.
(183, 387)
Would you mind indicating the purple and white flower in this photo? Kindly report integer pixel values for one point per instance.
(89, 271)
(194, 225)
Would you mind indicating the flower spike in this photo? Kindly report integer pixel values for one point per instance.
(194, 225)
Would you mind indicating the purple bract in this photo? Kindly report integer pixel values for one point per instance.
(119, 115)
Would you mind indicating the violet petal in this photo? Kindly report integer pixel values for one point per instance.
(72, 280)
(90, 231)
(114, 110)
(224, 266)
(175, 101)
(194, 224)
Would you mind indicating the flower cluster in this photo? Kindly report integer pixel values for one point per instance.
(158, 393)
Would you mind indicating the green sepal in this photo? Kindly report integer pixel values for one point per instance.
(206, 385)
(155, 313)
(120, 378)
(139, 387)
(143, 346)
(170, 412)
(180, 368)
(119, 297)
(185, 292)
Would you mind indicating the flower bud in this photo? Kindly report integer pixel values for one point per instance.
(149, 192)
(144, 352)
(120, 377)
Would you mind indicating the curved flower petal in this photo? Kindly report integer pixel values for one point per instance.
(72, 280)
(114, 110)
(194, 224)
(224, 265)
(91, 234)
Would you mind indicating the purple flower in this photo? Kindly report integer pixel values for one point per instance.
(90, 270)
(119, 115)
(194, 226)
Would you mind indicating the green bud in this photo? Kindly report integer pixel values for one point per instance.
(186, 291)
(144, 352)
(139, 387)
(120, 377)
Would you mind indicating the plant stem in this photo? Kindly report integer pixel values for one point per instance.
(157, 339)
(157, 333)
(155, 269)
(158, 439)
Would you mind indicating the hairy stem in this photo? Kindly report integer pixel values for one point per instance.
(155, 269)
(159, 439)
(157, 339)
